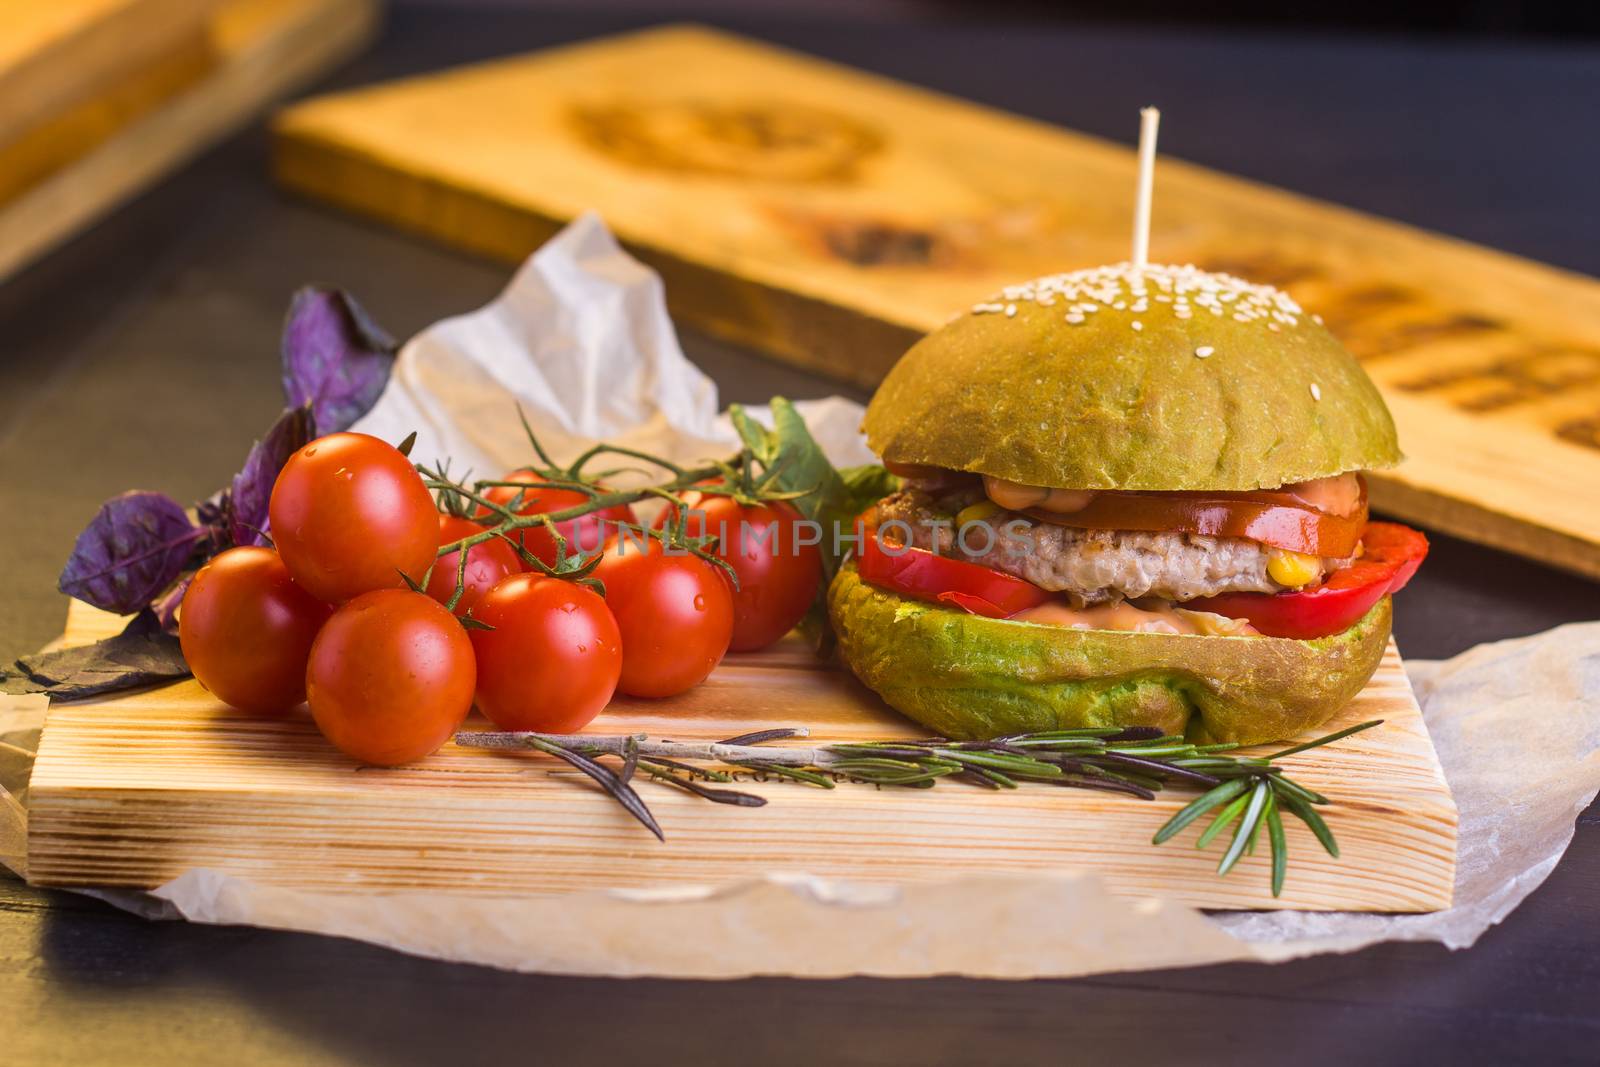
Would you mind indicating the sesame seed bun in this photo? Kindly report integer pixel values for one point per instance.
(1172, 379)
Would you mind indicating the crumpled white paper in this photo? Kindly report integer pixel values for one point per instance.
(581, 339)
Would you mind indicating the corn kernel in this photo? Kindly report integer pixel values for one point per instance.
(1293, 569)
(983, 509)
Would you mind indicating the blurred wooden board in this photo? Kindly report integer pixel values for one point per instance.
(58, 140)
(55, 54)
(830, 217)
(60, 173)
(135, 790)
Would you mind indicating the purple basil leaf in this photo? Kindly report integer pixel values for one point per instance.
(133, 549)
(335, 358)
(166, 608)
(213, 510)
(141, 654)
(252, 487)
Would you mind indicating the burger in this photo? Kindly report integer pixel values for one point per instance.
(1129, 496)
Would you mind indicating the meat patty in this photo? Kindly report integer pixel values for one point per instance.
(1091, 566)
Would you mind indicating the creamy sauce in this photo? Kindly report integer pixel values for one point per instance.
(1014, 496)
(1339, 495)
(1128, 618)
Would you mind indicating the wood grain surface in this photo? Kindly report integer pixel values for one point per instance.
(132, 791)
(83, 161)
(55, 54)
(59, 139)
(830, 217)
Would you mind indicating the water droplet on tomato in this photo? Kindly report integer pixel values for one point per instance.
(311, 450)
(699, 602)
(569, 607)
(583, 648)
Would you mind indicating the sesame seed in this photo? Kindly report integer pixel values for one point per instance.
(1075, 318)
(1011, 311)
(1316, 391)
(1204, 351)
(1317, 319)
(1137, 325)
(1141, 290)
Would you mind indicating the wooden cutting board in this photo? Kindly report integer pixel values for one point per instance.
(56, 54)
(831, 217)
(105, 138)
(134, 791)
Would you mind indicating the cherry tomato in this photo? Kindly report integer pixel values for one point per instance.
(486, 564)
(585, 533)
(552, 660)
(769, 548)
(349, 514)
(391, 676)
(246, 629)
(922, 575)
(1392, 554)
(675, 612)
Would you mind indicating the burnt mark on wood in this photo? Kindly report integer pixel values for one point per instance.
(866, 243)
(1513, 380)
(1385, 333)
(1368, 298)
(1584, 431)
(758, 140)
(1380, 319)
(875, 241)
(1264, 268)
(1447, 326)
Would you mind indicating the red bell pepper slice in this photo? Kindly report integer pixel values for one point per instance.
(1392, 555)
(922, 575)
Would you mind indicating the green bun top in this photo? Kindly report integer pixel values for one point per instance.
(1175, 378)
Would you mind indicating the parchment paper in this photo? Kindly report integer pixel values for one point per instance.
(582, 340)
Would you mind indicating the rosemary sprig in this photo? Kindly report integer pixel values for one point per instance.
(1246, 792)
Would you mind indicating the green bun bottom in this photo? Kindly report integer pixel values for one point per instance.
(970, 678)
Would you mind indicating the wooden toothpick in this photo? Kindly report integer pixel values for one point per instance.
(1149, 122)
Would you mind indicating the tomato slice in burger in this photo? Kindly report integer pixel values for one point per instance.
(1393, 553)
(923, 575)
(1271, 517)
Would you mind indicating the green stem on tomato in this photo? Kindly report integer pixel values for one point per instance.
(511, 521)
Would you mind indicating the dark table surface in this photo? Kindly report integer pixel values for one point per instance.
(144, 354)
